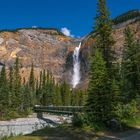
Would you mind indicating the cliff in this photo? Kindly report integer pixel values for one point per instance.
(45, 48)
(131, 19)
(51, 50)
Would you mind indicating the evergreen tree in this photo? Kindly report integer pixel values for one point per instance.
(81, 98)
(98, 105)
(11, 79)
(103, 28)
(66, 94)
(101, 91)
(32, 86)
(26, 100)
(17, 85)
(50, 88)
(37, 92)
(32, 78)
(131, 66)
(57, 99)
(4, 92)
(39, 89)
(47, 89)
(11, 82)
(44, 89)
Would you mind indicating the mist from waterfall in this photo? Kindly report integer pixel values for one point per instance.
(76, 67)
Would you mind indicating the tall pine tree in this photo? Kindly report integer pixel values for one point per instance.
(4, 92)
(98, 104)
(17, 85)
(101, 95)
(32, 78)
(131, 66)
(103, 28)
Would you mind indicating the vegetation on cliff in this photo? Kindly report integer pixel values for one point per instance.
(130, 15)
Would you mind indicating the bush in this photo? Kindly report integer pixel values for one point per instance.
(78, 120)
(126, 111)
(4, 138)
(11, 115)
(83, 120)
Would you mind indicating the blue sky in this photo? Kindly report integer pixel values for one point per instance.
(75, 15)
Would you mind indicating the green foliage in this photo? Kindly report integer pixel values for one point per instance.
(103, 90)
(99, 105)
(15, 97)
(21, 138)
(81, 120)
(4, 88)
(17, 85)
(131, 67)
(66, 94)
(127, 16)
(103, 28)
(50, 93)
(78, 97)
(57, 100)
(32, 78)
(78, 120)
(126, 111)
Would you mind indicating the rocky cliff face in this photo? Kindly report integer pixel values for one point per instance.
(131, 19)
(51, 50)
(45, 48)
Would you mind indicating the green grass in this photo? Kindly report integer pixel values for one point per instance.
(133, 122)
(65, 131)
(23, 138)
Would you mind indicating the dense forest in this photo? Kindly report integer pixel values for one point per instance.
(18, 97)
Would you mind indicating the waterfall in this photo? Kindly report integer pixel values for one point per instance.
(76, 66)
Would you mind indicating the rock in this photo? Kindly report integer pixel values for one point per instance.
(51, 50)
(114, 125)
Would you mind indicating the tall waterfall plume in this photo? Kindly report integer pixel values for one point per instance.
(76, 67)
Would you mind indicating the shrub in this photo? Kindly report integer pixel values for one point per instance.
(78, 120)
(126, 111)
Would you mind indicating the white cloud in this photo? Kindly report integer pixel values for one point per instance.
(34, 26)
(66, 32)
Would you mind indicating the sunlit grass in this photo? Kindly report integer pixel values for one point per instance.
(133, 122)
(24, 138)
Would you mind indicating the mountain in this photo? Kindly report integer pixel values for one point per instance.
(45, 48)
(131, 19)
(51, 50)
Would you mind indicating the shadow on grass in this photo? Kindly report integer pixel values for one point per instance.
(64, 133)
(130, 133)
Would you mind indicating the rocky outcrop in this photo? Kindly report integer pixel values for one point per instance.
(45, 48)
(51, 50)
(133, 21)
